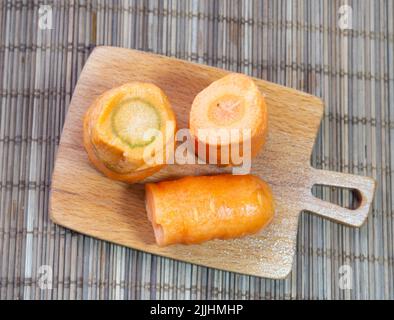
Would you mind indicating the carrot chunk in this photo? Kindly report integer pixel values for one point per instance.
(125, 128)
(196, 209)
(230, 104)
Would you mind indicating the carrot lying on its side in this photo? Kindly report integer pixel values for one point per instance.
(196, 209)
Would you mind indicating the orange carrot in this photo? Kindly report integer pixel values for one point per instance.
(231, 103)
(197, 209)
(115, 128)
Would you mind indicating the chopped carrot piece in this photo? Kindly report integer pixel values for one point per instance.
(121, 131)
(231, 103)
(196, 209)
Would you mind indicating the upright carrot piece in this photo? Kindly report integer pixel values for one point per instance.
(119, 131)
(231, 103)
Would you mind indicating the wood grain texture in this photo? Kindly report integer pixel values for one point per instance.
(84, 200)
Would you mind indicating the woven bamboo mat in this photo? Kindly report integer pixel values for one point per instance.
(301, 44)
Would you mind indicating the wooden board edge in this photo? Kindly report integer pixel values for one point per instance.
(96, 50)
(53, 217)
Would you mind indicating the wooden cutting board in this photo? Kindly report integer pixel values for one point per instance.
(84, 200)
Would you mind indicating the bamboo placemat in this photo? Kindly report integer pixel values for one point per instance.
(307, 45)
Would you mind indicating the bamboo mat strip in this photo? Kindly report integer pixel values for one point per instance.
(295, 43)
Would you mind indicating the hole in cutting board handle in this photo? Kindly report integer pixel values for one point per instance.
(359, 190)
(338, 195)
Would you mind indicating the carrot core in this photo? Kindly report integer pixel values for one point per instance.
(132, 120)
(226, 110)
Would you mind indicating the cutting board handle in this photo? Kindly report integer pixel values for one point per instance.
(364, 186)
